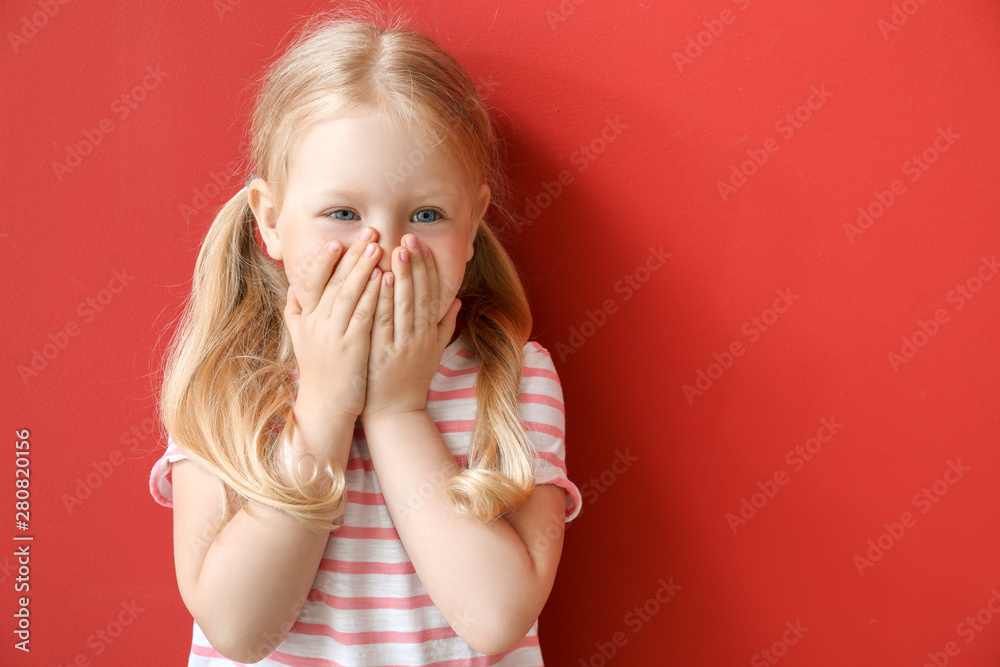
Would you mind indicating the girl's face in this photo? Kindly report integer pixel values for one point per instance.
(351, 173)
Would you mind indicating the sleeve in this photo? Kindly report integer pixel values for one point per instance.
(160, 484)
(544, 415)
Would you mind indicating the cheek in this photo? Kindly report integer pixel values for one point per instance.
(451, 271)
(308, 246)
(298, 265)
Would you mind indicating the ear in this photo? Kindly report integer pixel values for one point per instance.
(261, 198)
(479, 211)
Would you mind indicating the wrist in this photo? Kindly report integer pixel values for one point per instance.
(310, 406)
(386, 415)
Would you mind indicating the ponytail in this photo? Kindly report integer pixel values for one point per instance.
(226, 383)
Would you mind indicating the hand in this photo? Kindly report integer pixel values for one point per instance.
(330, 320)
(407, 341)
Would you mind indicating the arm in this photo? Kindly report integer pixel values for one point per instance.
(247, 587)
(490, 581)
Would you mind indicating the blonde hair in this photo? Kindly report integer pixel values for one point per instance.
(226, 388)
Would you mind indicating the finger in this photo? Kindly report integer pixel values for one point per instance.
(382, 334)
(361, 315)
(418, 277)
(351, 256)
(402, 296)
(333, 280)
(433, 288)
(344, 298)
(314, 275)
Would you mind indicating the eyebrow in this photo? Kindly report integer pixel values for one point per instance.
(422, 192)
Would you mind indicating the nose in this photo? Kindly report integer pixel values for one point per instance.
(389, 237)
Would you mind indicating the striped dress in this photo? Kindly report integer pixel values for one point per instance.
(367, 606)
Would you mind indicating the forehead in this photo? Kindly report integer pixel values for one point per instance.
(358, 152)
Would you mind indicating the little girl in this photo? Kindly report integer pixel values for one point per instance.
(364, 470)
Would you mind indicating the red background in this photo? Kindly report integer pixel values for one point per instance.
(681, 128)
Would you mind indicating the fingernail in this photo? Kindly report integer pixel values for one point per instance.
(333, 246)
(366, 234)
(411, 241)
(423, 249)
(370, 250)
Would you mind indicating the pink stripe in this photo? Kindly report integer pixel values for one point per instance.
(450, 373)
(365, 567)
(410, 602)
(547, 429)
(455, 426)
(363, 498)
(539, 372)
(543, 399)
(451, 394)
(358, 463)
(364, 533)
(373, 636)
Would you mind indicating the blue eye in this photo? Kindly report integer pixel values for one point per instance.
(342, 210)
(421, 218)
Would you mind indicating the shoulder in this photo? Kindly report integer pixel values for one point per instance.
(534, 347)
(540, 390)
(539, 368)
